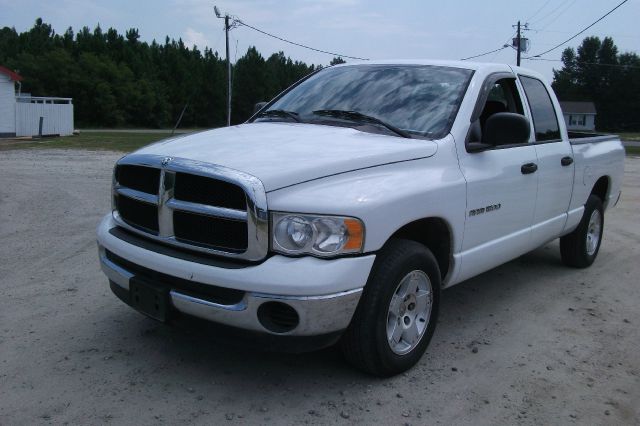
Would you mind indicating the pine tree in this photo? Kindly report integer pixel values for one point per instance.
(118, 80)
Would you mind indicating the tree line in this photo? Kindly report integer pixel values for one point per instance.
(116, 80)
(597, 72)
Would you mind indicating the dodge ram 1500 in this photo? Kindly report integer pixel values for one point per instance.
(343, 207)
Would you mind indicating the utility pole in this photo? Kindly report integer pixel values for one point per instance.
(226, 30)
(521, 44)
(517, 45)
(227, 27)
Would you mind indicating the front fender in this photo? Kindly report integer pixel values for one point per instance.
(386, 197)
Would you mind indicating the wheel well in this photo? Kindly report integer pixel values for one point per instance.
(601, 188)
(434, 233)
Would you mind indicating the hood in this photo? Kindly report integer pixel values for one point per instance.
(283, 154)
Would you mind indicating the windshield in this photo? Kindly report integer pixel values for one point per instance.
(419, 99)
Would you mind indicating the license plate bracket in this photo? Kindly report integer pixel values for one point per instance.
(150, 299)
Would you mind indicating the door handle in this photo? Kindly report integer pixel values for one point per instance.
(528, 168)
(566, 161)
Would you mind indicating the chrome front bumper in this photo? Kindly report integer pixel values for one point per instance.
(318, 315)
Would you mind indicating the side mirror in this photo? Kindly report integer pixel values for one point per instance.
(506, 128)
(257, 107)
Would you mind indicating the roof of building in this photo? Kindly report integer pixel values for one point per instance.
(578, 107)
(11, 74)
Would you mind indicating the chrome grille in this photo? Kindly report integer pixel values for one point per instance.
(211, 192)
(144, 179)
(206, 230)
(192, 205)
(137, 213)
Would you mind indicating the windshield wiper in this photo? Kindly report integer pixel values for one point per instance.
(280, 113)
(360, 117)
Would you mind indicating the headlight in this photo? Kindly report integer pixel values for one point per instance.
(316, 235)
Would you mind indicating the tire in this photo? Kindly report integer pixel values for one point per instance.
(365, 343)
(580, 248)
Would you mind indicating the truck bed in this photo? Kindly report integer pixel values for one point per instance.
(578, 138)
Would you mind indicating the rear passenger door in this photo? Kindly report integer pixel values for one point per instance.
(555, 163)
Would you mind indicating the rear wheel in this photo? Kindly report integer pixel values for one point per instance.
(397, 314)
(580, 248)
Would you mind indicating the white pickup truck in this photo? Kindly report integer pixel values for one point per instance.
(342, 208)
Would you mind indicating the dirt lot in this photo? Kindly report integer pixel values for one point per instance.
(552, 345)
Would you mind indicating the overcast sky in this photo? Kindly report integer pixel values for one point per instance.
(449, 29)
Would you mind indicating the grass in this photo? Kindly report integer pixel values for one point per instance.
(125, 142)
(628, 136)
(632, 150)
(130, 141)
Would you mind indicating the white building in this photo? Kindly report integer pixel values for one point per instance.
(579, 116)
(30, 115)
(8, 79)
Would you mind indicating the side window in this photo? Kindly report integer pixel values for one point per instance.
(503, 97)
(497, 94)
(545, 121)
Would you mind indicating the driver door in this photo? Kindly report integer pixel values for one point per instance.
(501, 193)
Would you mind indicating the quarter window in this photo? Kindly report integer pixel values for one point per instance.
(545, 121)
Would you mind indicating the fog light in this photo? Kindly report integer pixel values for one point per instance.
(278, 317)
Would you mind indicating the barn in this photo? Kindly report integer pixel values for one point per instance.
(26, 115)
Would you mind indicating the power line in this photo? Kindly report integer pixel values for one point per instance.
(505, 44)
(485, 53)
(236, 57)
(582, 31)
(538, 11)
(585, 63)
(509, 40)
(559, 14)
(214, 49)
(297, 44)
(551, 13)
(535, 30)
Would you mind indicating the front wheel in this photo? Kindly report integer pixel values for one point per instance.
(580, 248)
(397, 314)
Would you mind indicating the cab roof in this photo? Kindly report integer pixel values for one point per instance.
(483, 67)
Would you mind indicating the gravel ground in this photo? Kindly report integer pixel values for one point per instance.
(530, 342)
